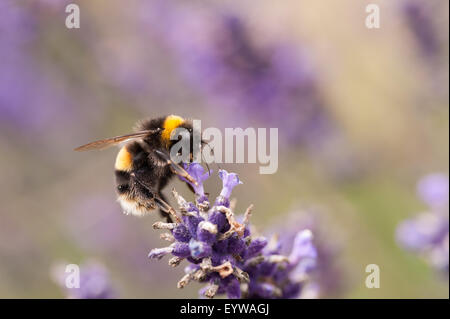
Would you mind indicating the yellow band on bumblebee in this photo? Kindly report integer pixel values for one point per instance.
(170, 123)
(124, 160)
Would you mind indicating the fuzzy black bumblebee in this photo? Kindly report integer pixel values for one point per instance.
(143, 166)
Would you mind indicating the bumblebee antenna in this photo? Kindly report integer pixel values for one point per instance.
(211, 150)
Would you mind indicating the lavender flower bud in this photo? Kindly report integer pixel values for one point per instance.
(221, 247)
(229, 180)
(198, 173)
(206, 232)
(256, 246)
(181, 250)
(220, 220)
(181, 233)
(191, 222)
(199, 249)
(236, 245)
(158, 253)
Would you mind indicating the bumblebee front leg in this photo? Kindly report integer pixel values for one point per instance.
(176, 169)
(162, 211)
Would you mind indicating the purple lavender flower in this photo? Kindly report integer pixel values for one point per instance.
(222, 253)
(198, 173)
(230, 180)
(428, 233)
(94, 282)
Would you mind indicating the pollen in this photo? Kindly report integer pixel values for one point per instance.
(171, 123)
(124, 160)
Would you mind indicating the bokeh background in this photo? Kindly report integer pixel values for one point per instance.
(362, 114)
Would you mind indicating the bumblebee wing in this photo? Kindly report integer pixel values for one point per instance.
(102, 144)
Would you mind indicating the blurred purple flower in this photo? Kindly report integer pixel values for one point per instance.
(420, 23)
(433, 190)
(95, 225)
(221, 251)
(422, 232)
(328, 278)
(280, 276)
(428, 233)
(28, 97)
(274, 84)
(94, 282)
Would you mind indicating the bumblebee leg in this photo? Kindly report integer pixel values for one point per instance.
(176, 169)
(169, 212)
(162, 183)
(162, 204)
(190, 187)
(162, 209)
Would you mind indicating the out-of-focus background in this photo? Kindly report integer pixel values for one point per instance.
(362, 115)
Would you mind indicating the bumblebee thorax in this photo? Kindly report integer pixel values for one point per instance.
(170, 123)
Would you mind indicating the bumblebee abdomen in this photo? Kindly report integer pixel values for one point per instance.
(134, 198)
(131, 206)
(122, 182)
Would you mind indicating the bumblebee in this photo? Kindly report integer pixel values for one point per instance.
(143, 166)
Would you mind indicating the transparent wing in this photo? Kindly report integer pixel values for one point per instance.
(102, 144)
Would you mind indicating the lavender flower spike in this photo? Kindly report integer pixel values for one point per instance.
(222, 253)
